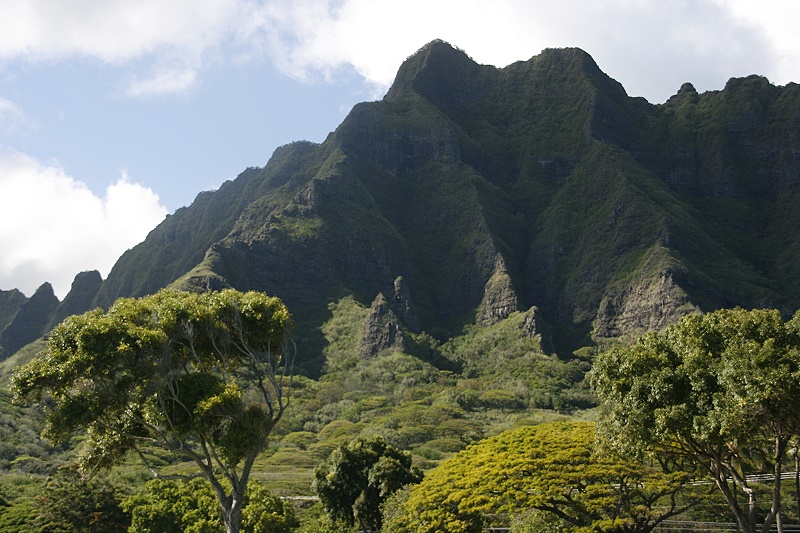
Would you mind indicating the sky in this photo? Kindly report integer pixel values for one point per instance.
(115, 113)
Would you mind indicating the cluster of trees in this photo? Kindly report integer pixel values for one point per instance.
(715, 397)
(206, 377)
(720, 391)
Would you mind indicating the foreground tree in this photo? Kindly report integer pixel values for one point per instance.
(552, 468)
(203, 376)
(721, 390)
(359, 477)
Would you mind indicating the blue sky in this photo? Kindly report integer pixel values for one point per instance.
(114, 113)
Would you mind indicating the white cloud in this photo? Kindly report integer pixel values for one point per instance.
(777, 21)
(112, 30)
(52, 226)
(650, 46)
(171, 35)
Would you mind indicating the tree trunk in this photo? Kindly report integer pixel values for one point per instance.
(232, 513)
(780, 447)
(797, 476)
(743, 522)
(751, 506)
(775, 511)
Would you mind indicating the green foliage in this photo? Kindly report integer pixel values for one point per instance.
(20, 499)
(504, 358)
(164, 371)
(359, 477)
(301, 439)
(343, 332)
(267, 513)
(74, 503)
(168, 506)
(553, 468)
(21, 449)
(323, 524)
(18, 518)
(720, 390)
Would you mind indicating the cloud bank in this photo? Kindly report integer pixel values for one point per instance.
(652, 47)
(52, 226)
(649, 45)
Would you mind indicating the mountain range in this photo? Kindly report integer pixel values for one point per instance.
(470, 192)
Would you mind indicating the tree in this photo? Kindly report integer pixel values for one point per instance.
(552, 468)
(359, 477)
(204, 376)
(721, 390)
(73, 502)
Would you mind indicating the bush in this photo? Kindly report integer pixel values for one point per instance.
(299, 439)
(168, 506)
(75, 502)
(429, 453)
(446, 445)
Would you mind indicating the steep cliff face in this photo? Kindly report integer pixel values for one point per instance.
(489, 190)
(31, 320)
(10, 303)
(81, 294)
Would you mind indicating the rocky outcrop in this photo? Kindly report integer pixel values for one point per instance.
(382, 330)
(403, 306)
(648, 304)
(499, 297)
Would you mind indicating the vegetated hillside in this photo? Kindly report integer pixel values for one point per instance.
(470, 192)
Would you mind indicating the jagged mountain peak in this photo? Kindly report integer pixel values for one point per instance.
(446, 75)
(440, 73)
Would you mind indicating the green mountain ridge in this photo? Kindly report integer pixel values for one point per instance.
(487, 191)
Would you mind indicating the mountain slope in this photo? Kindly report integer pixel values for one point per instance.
(493, 190)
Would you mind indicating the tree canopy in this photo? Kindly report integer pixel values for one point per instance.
(722, 390)
(554, 468)
(358, 477)
(204, 376)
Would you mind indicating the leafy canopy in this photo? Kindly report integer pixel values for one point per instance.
(204, 376)
(73, 502)
(357, 478)
(554, 468)
(721, 390)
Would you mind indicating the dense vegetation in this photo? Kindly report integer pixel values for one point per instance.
(549, 473)
(493, 452)
(410, 403)
(719, 391)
